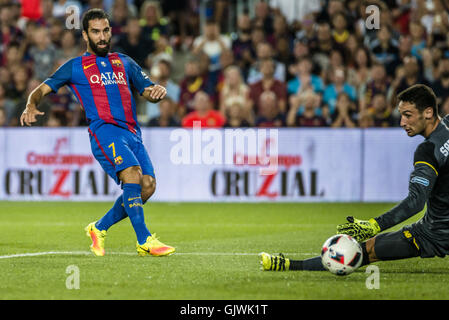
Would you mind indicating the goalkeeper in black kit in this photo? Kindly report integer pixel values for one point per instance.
(429, 184)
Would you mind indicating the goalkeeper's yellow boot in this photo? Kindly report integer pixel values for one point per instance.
(97, 237)
(274, 263)
(154, 247)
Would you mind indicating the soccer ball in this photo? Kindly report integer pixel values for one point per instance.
(341, 254)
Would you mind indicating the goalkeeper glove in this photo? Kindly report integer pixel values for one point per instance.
(360, 230)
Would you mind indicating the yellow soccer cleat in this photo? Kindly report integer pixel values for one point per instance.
(274, 263)
(97, 236)
(154, 247)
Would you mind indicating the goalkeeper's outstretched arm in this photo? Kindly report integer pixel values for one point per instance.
(422, 181)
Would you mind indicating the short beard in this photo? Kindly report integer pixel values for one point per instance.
(102, 52)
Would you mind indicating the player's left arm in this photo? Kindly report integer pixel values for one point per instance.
(148, 89)
(154, 93)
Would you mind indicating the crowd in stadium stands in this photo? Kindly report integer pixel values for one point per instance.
(277, 63)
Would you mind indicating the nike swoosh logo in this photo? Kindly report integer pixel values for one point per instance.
(90, 65)
(131, 199)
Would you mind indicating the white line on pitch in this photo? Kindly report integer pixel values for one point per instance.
(69, 253)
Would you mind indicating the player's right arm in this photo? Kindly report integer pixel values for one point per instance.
(29, 114)
(58, 79)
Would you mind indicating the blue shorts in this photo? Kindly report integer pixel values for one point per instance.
(116, 149)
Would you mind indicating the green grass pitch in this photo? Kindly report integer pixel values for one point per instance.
(216, 259)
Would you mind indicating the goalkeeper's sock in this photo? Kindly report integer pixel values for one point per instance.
(312, 264)
(115, 214)
(134, 209)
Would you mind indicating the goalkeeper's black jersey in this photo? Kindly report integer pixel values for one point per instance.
(429, 184)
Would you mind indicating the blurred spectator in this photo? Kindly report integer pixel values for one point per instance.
(264, 52)
(248, 53)
(417, 33)
(409, 76)
(444, 109)
(340, 28)
(350, 47)
(441, 84)
(3, 119)
(439, 29)
(166, 116)
(20, 81)
(300, 51)
(5, 78)
(241, 43)
(337, 85)
(13, 57)
(203, 114)
(359, 73)
(226, 60)
(306, 112)
(304, 79)
(119, 16)
(190, 85)
(55, 120)
(9, 32)
(153, 23)
(235, 92)
(55, 28)
(268, 83)
(365, 119)
(307, 31)
(296, 10)
(46, 12)
(345, 112)
(212, 43)
(282, 40)
(262, 17)
(378, 84)
(6, 104)
(134, 43)
(69, 48)
(162, 51)
(235, 116)
(323, 44)
(269, 115)
(183, 17)
(160, 74)
(328, 11)
(43, 54)
(384, 48)
(380, 112)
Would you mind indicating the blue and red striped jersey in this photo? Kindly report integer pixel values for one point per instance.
(102, 86)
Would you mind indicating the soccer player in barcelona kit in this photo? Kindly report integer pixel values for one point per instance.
(102, 81)
(428, 184)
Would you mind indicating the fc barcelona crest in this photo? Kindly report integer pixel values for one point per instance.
(118, 160)
(116, 62)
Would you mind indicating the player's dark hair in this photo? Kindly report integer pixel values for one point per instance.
(93, 14)
(421, 96)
